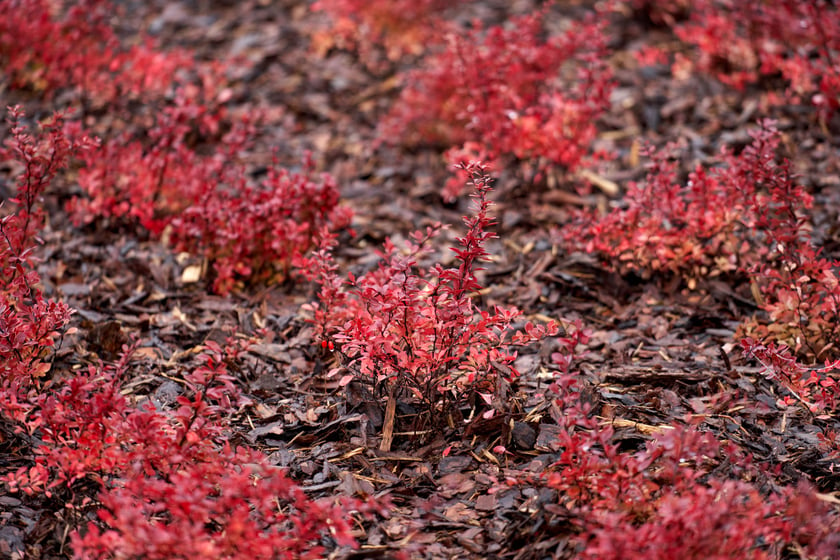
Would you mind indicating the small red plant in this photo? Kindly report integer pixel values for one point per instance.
(399, 26)
(249, 232)
(170, 487)
(254, 232)
(151, 180)
(816, 388)
(49, 46)
(511, 91)
(799, 289)
(710, 225)
(740, 42)
(663, 501)
(416, 328)
(152, 173)
(30, 324)
(745, 218)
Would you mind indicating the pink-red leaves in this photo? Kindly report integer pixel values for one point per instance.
(508, 92)
(742, 42)
(714, 223)
(400, 27)
(29, 323)
(418, 327)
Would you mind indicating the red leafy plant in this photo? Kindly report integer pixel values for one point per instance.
(208, 205)
(149, 175)
(403, 327)
(170, 485)
(813, 387)
(797, 286)
(801, 296)
(162, 102)
(50, 46)
(205, 202)
(514, 91)
(254, 232)
(740, 42)
(744, 217)
(30, 324)
(152, 172)
(662, 501)
(400, 27)
(712, 224)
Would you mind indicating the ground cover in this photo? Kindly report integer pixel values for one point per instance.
(392, 279)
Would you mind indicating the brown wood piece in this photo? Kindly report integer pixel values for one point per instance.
(388, 424)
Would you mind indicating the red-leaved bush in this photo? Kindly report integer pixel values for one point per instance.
(713, 223)
(746, 217)
(663, 501)
(49, 46)
(152, 178)
(418, 328)
(814, 387)
(740, 42)
(400, 27)
(207, 203)
(513, 91)
(30, 324)
(798, 287)
(72, 45)
(800, 291)
(156, 172)
(253, 231)
(170, 484)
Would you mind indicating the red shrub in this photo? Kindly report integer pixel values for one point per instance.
(153, 173)
(814, 387)
(798, 288)
(712, 224)
(741, 41)
(152, 179)
(718, 520)
(48, 46)
(416, 328)
(252, 510)
(743, 217)
(511, 91)
(169, 485)
(662, 501)
(254, 231)
(249, 232)
(399, 26)
(29, 323)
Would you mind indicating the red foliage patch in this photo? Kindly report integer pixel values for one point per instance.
(168, 484)
(508, 92)
(46, 46)
(664, 502)
(714, 223)
(30, 324)
(418, 328)
(741, 42)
